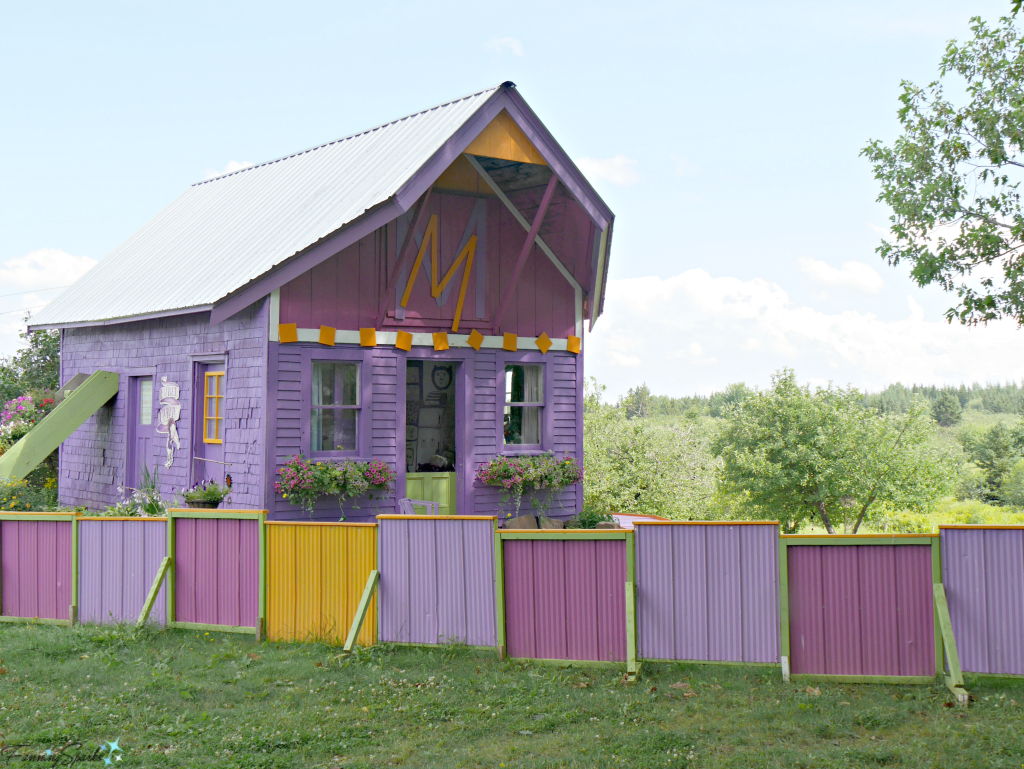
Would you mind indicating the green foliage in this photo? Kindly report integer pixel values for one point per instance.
(305, 481)
(543, 472)
(946, 409)
(206, 491)
(588, 519)
(145, 501)
(995, 451)
(20, 496)
(35, 367)
(952, 177)
(799, 455)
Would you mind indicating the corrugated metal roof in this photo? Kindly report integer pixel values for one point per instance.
(222, 233)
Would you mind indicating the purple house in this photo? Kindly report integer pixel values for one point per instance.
(416, 292)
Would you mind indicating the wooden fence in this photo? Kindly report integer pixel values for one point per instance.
(37, 567)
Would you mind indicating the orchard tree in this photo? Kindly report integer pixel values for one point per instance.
(952, 177)
(799, 456)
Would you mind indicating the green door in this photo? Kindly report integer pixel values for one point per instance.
(432, 487)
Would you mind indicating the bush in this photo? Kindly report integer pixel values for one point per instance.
(588, 519)
(1012, 490)
(19, 496)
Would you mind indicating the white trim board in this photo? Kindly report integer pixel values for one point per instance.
(388, 338)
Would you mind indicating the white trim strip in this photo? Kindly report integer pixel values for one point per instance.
(275, 314)
(388, 339)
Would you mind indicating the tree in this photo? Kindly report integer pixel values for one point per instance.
(33, 368)
(799, 455)
(946, 410)
(951, 178)
(995, 451)
(637, 402)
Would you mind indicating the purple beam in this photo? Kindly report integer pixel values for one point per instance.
(403, 253)
(525, 252)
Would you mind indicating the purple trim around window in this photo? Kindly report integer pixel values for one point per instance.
(364, 422)
(547, 425)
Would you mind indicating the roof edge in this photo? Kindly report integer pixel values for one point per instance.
(125, 319)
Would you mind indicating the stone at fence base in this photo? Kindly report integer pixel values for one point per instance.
(550, 523)
(522, 522)
(607, 525)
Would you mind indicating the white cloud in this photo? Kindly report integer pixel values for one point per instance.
(858, 275)
(502, 44)
(753, 329)
(28, 283)
(617, 170)
(230, 168)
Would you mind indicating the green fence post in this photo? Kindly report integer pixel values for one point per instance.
(73, 608)
(170, 573)
(784, 608)
(499, 592)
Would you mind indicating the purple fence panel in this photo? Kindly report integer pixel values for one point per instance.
(437, 580)
(216, 564)
(35, 569)
(708, 592)
(861, 610)
(983, 573)
(565, 599)
(117, 562)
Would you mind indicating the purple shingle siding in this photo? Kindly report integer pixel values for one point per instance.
(92, 460)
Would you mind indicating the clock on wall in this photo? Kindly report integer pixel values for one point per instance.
(442, 377)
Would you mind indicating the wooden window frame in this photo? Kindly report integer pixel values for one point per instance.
(218, 403)
(546, 419)
(364, 420)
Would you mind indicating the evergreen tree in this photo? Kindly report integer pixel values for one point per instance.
(946, 410)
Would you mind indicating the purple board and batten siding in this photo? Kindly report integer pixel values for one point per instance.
(437, 581)
(565, 599)
(117, 562)
(861, 610)
(92, 460)
(35, 569)
(216, 571)
(708, 592)
(983, 573)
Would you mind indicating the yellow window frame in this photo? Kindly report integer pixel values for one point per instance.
(215, 394)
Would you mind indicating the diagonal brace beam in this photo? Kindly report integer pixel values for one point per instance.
(525, 252)
(364, 607)
(403, 253)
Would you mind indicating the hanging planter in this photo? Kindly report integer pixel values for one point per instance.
(207, 494)
(518, 474)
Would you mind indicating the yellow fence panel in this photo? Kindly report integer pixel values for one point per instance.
(316, 573)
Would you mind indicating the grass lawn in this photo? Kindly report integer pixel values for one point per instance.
(181, 698)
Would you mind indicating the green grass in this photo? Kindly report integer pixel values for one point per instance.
(180, 698)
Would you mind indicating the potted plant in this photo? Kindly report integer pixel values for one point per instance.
(206, 494)
(517, 474)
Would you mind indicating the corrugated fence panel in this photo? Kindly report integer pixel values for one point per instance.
(437, 580)
(862, 610)
(117, 562)
(983, 571)
(708, 592)
(565, 599)
(35, 569)
(216, 571)
(316, 575)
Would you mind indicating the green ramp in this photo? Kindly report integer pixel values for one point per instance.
(70, 414)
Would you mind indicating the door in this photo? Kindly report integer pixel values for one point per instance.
(431, 439)
(139, 462)
(208, 436)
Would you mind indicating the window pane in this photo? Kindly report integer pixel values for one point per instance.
(211, 430)
(335, 384)
(146, 402)
(524, 383)
(522, 425)
(333, 430)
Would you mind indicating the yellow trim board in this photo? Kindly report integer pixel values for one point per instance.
(505, 140)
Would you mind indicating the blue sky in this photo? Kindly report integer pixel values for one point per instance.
(725, 136)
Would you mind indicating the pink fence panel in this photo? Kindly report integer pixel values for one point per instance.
(216, 571)
(565, 599)
(708, 591)
(437, 580)
(861, 610)
(35, 569)
(983, 573)
(117, 562)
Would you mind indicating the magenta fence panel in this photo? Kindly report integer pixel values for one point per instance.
(861, 610)
(117, 561)
(983, 573)
(437, 580)
(565, 599)
(216, 571)
(35, 569)
(708, 591)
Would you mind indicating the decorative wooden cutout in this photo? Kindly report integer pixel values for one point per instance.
(467, 254)
(368, 337)
(543, 342)
(440, 340)
(476, 340)
(327, 335)
(429, 240)
(573, 344)
(287, 332)
(404, 341)
(510, 342)
(170, 411)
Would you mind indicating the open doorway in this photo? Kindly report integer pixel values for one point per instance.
(431, 445)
